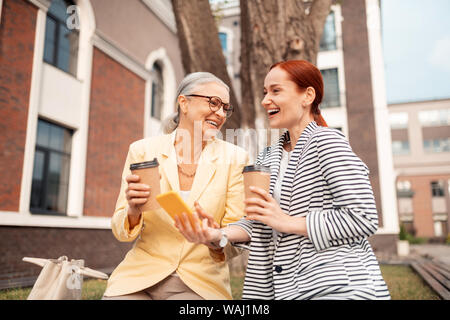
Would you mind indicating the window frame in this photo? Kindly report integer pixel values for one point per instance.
(43, 192)
(327, 44)
(339, 102)
(58, 23)
(439, 189)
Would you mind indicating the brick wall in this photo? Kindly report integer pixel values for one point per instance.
(98, 248)
(358, 83)
(116, 119)
(17, 32)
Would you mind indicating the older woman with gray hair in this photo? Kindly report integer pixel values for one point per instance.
(207, 173)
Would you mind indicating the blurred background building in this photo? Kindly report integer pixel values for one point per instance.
(73, 99)
(421, 148)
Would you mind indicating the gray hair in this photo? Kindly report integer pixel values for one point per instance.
(186, 87)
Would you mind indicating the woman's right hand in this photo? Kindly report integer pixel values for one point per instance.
(205, 231)
(136, 194)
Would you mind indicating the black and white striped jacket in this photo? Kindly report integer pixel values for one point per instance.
(329, 185)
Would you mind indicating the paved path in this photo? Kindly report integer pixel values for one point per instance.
(439, 252)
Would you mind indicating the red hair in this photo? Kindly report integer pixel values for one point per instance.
(305, 75)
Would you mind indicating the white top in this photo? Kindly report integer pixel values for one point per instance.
(185, 195)
(277, 188)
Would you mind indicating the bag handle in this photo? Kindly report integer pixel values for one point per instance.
(93, 273)
(38, 261)
(82, 270)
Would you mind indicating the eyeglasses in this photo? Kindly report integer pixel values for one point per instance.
(215, 103)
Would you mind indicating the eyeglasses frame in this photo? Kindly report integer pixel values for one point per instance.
(223, 105)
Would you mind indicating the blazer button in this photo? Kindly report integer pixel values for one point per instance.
(278, 269)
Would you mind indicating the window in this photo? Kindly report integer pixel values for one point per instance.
(398, 120)
(328, 40)
(400, 147)
(50, 183)
(437, 145)
(61, 43)
(434, 118)
(440, 228)
(403, 185)
(223, 42)
(404, 191)
(437, 188)
(331, 96)
(157, 91)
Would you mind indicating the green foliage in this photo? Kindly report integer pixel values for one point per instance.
(404, 235)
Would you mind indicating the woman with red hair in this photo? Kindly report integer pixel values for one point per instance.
(308, 237)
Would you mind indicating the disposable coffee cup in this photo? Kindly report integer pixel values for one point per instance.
(257, 176)
(148, 173)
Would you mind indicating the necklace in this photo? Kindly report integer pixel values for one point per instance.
(189, 175)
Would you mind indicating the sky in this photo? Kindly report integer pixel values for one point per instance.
(416, 45)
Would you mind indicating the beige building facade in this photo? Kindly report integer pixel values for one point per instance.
(421, 148)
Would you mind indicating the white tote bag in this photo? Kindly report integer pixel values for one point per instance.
(60, 279)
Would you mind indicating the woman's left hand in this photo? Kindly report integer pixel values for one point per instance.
(269, 212)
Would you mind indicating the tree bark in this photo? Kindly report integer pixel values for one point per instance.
(200, 46)
(275, 30)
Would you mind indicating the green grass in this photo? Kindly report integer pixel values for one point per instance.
(402, 281)
(405, 284)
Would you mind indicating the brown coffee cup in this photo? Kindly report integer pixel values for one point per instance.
(257, 176)
(148, 173)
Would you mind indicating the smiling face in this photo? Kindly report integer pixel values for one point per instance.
(285, 103)
(196, 109)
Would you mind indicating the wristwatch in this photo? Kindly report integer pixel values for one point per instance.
(224, 240)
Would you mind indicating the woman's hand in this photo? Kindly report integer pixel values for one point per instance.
(269, 212)
(205, 230)
(136, 194)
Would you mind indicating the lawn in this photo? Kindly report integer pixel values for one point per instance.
(403, 283)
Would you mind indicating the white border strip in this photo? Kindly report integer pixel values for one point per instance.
(33, 110)
(8, 218)
(163, 12)
(382, 129)
(41, 4)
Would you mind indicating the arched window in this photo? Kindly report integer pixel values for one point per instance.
(61, 39)
(159, 91)
(157, 97)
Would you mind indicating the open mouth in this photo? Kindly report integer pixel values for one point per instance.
(272, 112)
(213, 123)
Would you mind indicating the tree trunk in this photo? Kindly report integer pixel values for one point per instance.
(275, 30)
(200, 46)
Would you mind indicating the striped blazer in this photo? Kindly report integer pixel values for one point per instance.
(329, 185)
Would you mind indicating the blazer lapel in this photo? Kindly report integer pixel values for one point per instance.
(169, 162)
(275, 159)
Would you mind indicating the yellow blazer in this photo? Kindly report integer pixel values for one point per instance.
(160, 249)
